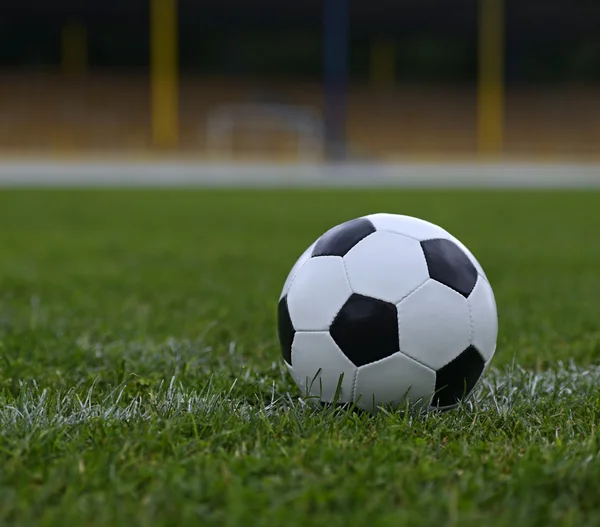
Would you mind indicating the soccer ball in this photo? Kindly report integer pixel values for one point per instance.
(387, 309)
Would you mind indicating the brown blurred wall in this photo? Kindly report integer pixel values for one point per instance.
(107, 108)
(49, 113)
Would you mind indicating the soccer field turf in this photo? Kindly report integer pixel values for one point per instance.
(141, 380)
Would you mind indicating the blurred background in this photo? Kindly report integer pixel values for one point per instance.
(380, 80)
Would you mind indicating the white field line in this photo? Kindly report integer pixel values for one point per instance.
(499, 392)
(162, 173)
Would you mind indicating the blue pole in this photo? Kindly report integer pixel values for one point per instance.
(336, 21)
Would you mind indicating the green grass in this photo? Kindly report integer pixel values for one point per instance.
(141, 381)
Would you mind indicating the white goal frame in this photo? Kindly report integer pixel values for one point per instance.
(257, 119)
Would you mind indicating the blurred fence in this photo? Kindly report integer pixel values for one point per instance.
(50, 114)
(83, 110)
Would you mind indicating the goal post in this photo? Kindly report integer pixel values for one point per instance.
(490, 98)
(336, 50)
(74, 57)
(259, 123)
(164, 73)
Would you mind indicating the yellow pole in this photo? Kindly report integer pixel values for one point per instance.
(491, 77)
(383, 63)
(163, 73)
(74, 48)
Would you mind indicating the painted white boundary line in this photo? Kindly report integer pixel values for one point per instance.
(50, 173)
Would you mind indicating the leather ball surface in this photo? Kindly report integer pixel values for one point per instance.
(387, 309)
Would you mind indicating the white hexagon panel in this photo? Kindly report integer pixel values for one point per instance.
(394, 380)
(318, 292)
(414, 227)
(434, 325)
(294, 271)
(319, 367)
(484, 319)
(419, 230)
(386, 266)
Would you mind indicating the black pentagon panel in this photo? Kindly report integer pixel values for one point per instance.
(339, 240)
(456, 380)
(449, 265)
(285, 329)
(366, 329)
